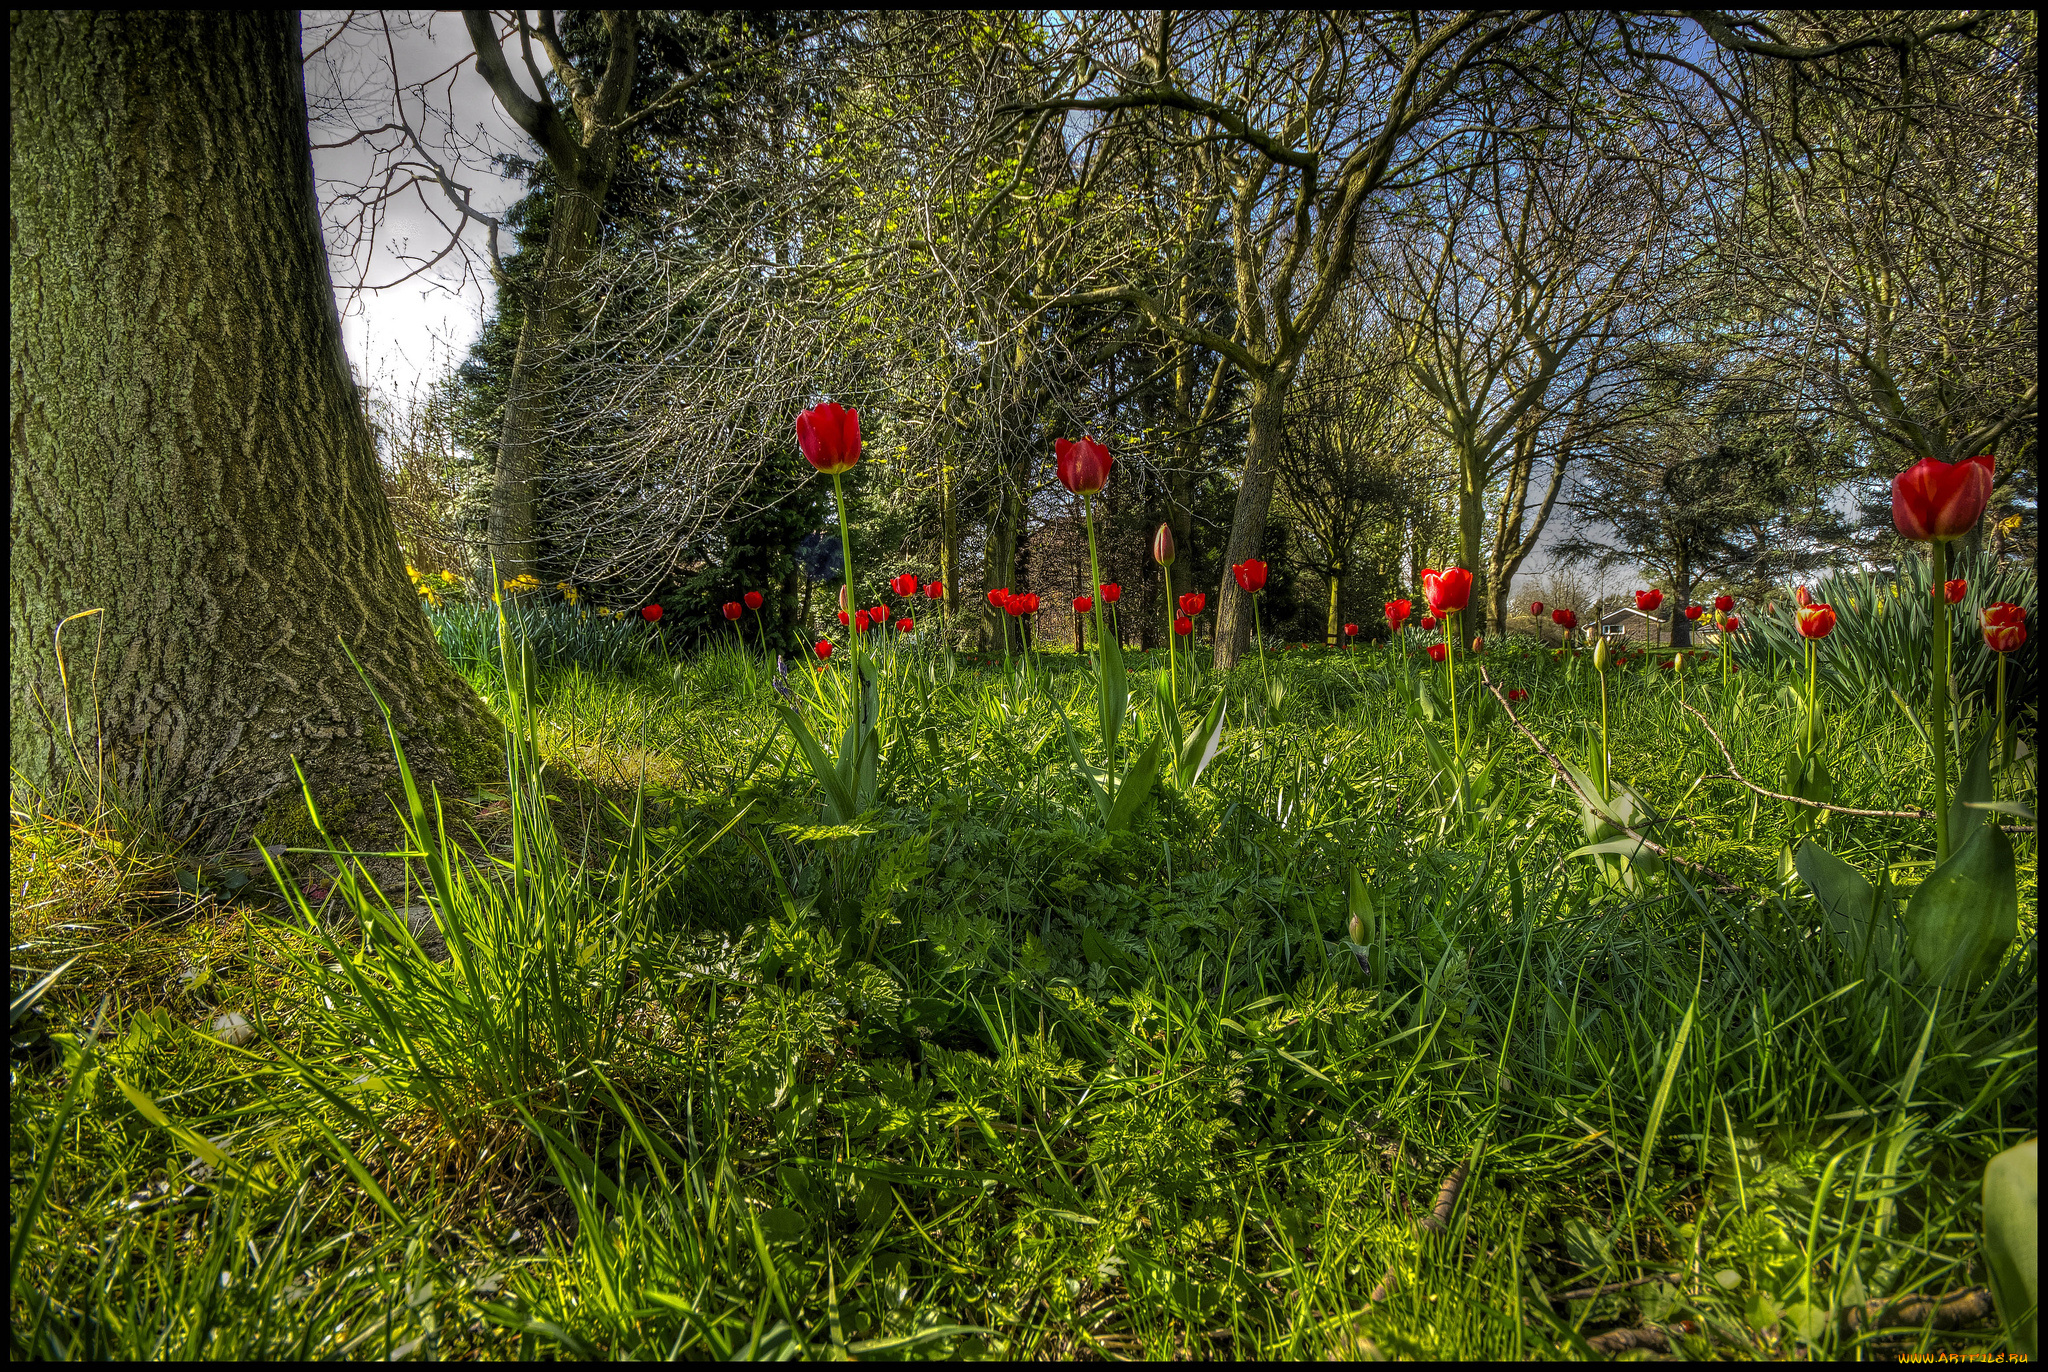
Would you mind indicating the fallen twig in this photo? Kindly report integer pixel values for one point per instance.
(1796, 800)
(1722, 880)
(1438, 1219)
(1952, 1311)
(1586, 1293)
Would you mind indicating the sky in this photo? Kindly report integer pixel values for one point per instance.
(415, 331)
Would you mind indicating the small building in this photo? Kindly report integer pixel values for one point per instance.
(1630, 625)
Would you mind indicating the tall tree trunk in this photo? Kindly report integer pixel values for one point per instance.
(1248, 524)
(190, 454)
(1333, 622)
(1681, 590)
(949, 524)
(999, 561)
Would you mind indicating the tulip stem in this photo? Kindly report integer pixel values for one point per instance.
(846, 557)
(1812, 694)
(1259, 632)
(1938, 705)
(1172, 663)
(1101, 657)
(1451, 661)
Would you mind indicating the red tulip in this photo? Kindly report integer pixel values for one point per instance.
(1162, 546)
(879, 615)
(1014, 606)
(1437, 652)
(1193, 603)
(1693, 612)
(1183, 626)
(1083, 604)
(1816, 621)
(1397, 613)
(2005, 626)
(650, 613)
(1954, 590)
(1731, 624)
(999, 598)
(1515, 696)
(860, 621)
(934, 590)
(904, 626)
(1111, 593)
(753, 599)
(829, 435)
(1478, 644)
(1800, 597)
(842, 617)
(1535, 607)
(733, 609)
(1648, 601)
(1447, 591)
(1251, 576)
(1351, 631)
(1083, 464)
(904, 585)
(1428, 622)
(823, 649)
(1567, 619)
(1724, 603)
(1933, 502)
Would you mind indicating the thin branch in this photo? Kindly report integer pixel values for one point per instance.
(1796, 800)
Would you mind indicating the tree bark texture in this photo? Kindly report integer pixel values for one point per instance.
(1248, 522)
(189, 451)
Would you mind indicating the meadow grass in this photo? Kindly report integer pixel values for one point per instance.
(972, 1077)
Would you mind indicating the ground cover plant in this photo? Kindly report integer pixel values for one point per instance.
(1389, 1001)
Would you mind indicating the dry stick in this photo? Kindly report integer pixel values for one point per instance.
(1796, 800)
(1952, 1311)
(1725, 882)
(1438, 1219)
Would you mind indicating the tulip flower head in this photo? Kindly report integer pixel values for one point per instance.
(753, 599)
(829, 435)
(1517, 696)
(733, 609)
(843, 619)
(934, 590)
(1111, 593)
(999, 598)
(1535, 607)
(1083, 464)
(1447, 591)
(1816, 620)
(1954, 590)
(1351, 631)
(1428, 623)
(822, 649)
(1648, 601)
(1437, 652)
(904, 626)
(1183, 626)
(2005, 627)
(1192, 603)
(1933, 502)
(879, 615)
(651, 613)
(1014, 606)
(1693, 612)
(1478, 644)
(1724, 603)
(1083, 604)
(1162, 546)
(904, 585)
(1730, 624)
(861, 621)
(1398, 612)
(1250, 575)
(1030, 602)
(1568, 618)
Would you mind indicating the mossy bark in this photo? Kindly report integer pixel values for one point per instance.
(190, 454)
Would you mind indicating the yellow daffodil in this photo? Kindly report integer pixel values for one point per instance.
(449, 577)
(412, 571)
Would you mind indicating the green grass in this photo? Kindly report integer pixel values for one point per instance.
(971, 1077)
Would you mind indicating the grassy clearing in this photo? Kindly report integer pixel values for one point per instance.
(971, 1077)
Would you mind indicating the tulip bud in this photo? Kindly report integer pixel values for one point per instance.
(1357, 928)
(1162, 546)
(1955, 590)
(1600, 654)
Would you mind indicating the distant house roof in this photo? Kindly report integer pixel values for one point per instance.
(1618, 611)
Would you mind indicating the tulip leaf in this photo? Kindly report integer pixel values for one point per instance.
(1963, 915)
(839, 803)
(1135, 786)
(1624, 846)
(1858, 914)
(2012, 1242)
(1112, 693)
(1207, 741)
(1973, 791)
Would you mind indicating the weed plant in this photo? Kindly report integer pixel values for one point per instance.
(970, 1076)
